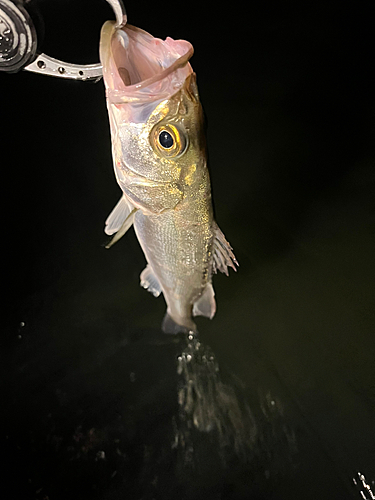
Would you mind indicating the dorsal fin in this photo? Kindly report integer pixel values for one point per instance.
(205, 305)
(223, 256)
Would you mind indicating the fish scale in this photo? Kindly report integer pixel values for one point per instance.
(177, 256)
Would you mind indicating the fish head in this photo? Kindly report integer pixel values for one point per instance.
(155, 114)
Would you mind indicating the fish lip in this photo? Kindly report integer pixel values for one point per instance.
(127, 93)
(179, 63)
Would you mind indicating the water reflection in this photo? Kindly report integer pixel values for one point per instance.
(141, 416)
(365, 489)
(216, 409)
(209, 405)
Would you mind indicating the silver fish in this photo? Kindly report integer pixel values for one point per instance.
(160, 162)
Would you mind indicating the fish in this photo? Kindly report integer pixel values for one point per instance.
(160, 161)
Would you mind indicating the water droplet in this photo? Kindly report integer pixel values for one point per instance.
(22, 324)
(61, 70)
(41, 64)
(188, 357)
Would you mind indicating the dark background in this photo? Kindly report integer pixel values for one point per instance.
(288, 91)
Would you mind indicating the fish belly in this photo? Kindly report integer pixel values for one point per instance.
(178, 250)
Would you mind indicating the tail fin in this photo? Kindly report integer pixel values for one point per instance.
(170, 326)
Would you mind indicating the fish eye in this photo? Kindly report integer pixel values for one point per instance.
(165, 139)
(168, 140)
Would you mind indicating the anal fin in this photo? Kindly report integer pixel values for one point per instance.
(206, 304)
(150, 282)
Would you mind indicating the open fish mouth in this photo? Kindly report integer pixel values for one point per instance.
(137, 66)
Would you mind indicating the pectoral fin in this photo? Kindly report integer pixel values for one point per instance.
(206, 304)
(118, 216)
(223, 256)
(125, 226)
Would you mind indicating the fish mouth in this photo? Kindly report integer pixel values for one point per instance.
(134, 61)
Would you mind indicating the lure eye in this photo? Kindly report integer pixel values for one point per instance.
(168, 140)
